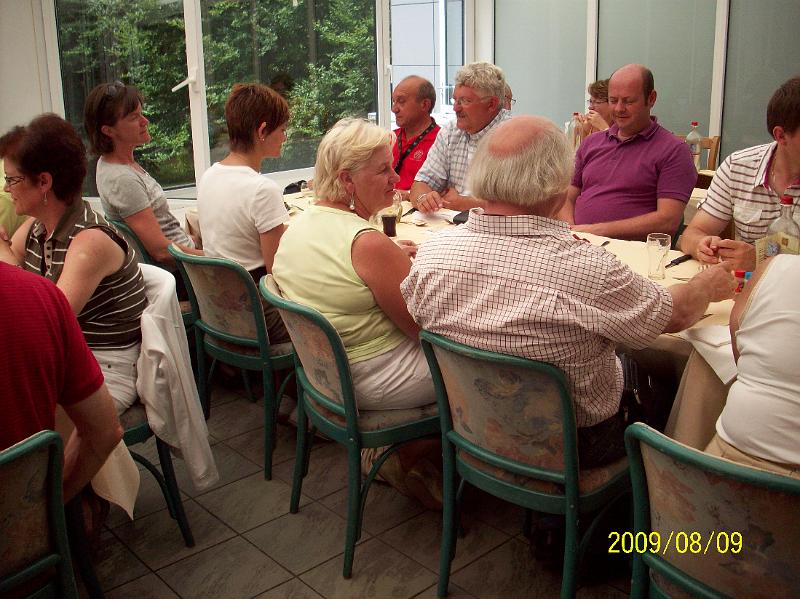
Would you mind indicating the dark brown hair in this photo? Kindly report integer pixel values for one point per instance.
(249, 105)
(105, 105)
(783, 109)
(49, 144)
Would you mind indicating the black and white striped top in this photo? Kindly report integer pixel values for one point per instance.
(111, 317)
(740, 191)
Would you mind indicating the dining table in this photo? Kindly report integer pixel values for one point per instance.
(673, 356)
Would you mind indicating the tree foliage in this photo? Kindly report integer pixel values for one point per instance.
(327, 47)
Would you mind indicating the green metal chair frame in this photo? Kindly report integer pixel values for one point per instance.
(349, 435)
(639, 434)
(61, 581)
(571, 504)
(206, 336)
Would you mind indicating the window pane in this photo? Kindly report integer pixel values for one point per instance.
(139, 42)
(324, 50)
(541, 46)
(673, 39)
(758, 64)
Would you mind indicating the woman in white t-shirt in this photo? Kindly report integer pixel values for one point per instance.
(242, 215)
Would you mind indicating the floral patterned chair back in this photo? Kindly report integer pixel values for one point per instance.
(32, 526)
(513, 408)
(225, 301)
(316, 344)
(729, 527)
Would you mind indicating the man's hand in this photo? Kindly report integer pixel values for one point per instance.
(717, 281)
(408, 246)
(429, 202)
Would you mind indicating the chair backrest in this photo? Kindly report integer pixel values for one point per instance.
(510, 412)
(711, 144)
(745, 520)
(224, 298)
(33, 536)
(133, 240)
(319, 349)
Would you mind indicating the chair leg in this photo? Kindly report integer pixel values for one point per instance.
(300, 454)
(353, 506)
(173, 495)
(448, 547)
(80, 550)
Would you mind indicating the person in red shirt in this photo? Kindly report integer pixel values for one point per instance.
(45, 361)
(412, 102)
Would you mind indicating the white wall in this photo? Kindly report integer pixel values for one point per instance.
(24, 77)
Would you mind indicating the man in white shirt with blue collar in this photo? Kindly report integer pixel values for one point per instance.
(478, 103)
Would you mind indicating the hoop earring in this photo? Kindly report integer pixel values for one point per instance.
(352, 203)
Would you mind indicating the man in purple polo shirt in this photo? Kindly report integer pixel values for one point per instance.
(636, 177)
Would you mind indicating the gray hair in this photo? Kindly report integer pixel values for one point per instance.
(537, 172)
(347, 146)
(483, 76)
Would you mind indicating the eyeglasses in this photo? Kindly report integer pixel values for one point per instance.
(12, 181)
(593, 102)
(468, 101)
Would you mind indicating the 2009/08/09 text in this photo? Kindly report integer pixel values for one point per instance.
(693, 542)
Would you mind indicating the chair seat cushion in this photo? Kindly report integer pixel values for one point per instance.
(275, 350)
(588, 480)
(373, 420)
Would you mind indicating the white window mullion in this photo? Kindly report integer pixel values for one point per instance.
(196, 79)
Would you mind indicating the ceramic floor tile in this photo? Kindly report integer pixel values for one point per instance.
(230, 465)
(294, 589)
(378, 572)
(249, 502)
(157, 541)
(420, 539)
(251, 445)
(327, 471)
(288, 540)
(114, 564)
(385, 509)
(231, 570)
(234, 418)
(146, 587)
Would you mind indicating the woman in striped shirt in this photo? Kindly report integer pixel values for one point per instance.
(73, 246)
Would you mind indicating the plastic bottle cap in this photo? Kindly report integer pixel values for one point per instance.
(739, 274)
(695, 123)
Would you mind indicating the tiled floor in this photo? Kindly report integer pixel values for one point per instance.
(248, 545)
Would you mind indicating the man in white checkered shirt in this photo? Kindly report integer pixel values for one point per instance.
(478, 101)
(748, 186)
(515, 280)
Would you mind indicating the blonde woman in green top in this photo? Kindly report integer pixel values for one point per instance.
(333, 260)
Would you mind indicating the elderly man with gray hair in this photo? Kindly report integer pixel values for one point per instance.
(478, 101)
(515, 280)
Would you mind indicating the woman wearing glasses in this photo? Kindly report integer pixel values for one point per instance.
(73, 246)
(115, 125)
(598, 117)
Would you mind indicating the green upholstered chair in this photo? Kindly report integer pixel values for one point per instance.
(230, 328)
(34, 550)
(326, 398)
(508, 428)
(679, 491)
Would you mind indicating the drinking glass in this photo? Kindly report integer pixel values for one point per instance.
(657, 251)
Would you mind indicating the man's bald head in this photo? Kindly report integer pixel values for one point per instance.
(525, 161)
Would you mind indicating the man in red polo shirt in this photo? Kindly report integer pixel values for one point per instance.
(412, 102)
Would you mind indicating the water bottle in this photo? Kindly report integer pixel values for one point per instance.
(695, 144)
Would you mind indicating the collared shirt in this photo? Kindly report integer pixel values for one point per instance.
(111, 317)
(448, 161)
(415, 159)
(621, 179)
(523, 285)
(740, 191)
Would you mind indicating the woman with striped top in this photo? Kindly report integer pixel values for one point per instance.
(73, 246)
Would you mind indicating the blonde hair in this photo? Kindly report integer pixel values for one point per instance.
(539, 171)
(347, 146)
(483, 76)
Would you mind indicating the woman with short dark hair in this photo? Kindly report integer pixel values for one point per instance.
(73, 246)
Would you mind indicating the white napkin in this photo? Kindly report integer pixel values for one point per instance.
(714, 344)
(443, 214)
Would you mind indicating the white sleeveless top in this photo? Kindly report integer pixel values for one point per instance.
(762, 414)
